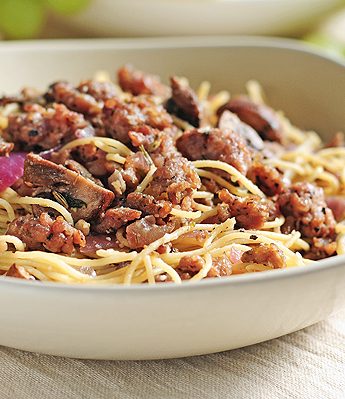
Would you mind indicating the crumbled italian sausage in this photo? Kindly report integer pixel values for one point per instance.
(227, 146)
(184, 102)
(38, 128)
(45, 233)
(305, 210)
(138, 82)
(265, 254)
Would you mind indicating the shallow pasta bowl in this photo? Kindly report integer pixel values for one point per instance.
(167, 320)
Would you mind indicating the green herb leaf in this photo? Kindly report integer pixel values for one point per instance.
(21, 19)
(67, 7)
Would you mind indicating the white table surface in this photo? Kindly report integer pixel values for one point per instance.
(306, 364)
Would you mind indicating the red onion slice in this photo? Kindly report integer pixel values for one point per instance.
(11, 169)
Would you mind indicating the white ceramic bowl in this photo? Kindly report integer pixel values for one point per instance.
(334, 27)
(109, 18)
(145, 322)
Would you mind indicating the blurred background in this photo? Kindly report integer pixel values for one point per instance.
(320, 22)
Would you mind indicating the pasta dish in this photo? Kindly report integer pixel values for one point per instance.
(142, 182)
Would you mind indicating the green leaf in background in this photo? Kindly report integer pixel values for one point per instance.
(21, 19)
(67, 7)
(327, 43)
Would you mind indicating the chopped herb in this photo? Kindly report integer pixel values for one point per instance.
(74, 202)
(60, 199)
(155, 144)
(67, 201)
(146, 154)
(33, 133)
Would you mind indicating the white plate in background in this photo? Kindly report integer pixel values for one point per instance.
(110, 18)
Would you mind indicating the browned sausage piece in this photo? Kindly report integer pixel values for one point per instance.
(250, 212)
(28, 95)
(149, 205)
(267, 178)
(184, 102)
(189, 266)
(101, 91)
(65, 93)
(266, 254)
(114, 218)
(138, 82)
(221, 266)
(146, 230)
(227, 146)
(230, 121)
(122, 116)
(44, 232)
(174, 181)
(305, 210)
(321, 248)
(134, 169)
(93, 158)
(38, 128)
(259, 116)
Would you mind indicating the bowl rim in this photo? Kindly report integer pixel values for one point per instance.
(176, 42)
(171, 42)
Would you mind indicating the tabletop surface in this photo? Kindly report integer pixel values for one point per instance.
(306, 364)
